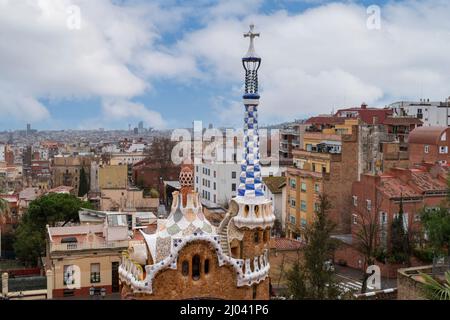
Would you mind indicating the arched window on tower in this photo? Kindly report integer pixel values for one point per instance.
(196, 267)
(256, 236)
(266, 236)
(185, 268)
(206, 266)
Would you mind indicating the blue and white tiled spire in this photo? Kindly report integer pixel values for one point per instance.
(250, 179)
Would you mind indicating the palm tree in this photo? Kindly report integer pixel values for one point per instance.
(435, 290)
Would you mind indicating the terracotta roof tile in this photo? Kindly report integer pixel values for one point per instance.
(325, 120)
(402, 121)
(274, 183)
(285, 244)
(426, 135)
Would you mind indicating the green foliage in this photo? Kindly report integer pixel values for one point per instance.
(83, 188)
(437, 225)
(400, 246)
(29, 244)
(51, 209)
(311, 279)
(448, 188)
(435, 290)
(424, 254)
(381, 254)
(297, 282)
(154, 193)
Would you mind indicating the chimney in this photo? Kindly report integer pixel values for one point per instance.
(364, 105)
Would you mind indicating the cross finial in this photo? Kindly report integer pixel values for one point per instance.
(252, 35)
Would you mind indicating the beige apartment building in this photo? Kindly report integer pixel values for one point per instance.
(85, 256)
(66, 170)
(326, 165)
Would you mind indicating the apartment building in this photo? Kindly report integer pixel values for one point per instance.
(66, 170)
(326, 165)
(291, 137)
(430, 144)
(432, 113)
(86, 256)
(377, 198)
(216, 183)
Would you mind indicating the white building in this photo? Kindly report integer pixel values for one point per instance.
(432, 113)
(127, 158)
(273, 190)
(217, 183)
(2, 152)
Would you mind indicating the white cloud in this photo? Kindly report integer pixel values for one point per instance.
(313, 61)
(326, 58)
(122, 109)
(21, 106)
(40, 57)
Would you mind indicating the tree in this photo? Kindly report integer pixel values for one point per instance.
(296, 282)
(49, 210)
(278, 228)
(312, 279)
(437, 227)
(400, 250)
(83, 188)
(435, 290)
(366, 237)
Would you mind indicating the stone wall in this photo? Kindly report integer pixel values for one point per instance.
(408, 285)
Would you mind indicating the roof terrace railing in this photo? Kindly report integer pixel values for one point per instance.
(74, 246)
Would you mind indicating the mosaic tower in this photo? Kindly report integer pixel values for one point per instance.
(250, 179)
(255, 211)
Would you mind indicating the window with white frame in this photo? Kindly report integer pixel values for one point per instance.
(383, 218)
(443, 149)
(293, 183)
(69, 275)
(355, 219)
(417, 217)
(303, 187)
(427, 148)
(292, 219)
(405, 220)
(316, 207)
(316, 188)
(292, 202)
(444, 136)
(303, 205)
(95, 272)
(369, 205)
(355, 201)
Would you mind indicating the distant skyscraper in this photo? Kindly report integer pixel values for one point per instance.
(28, 128)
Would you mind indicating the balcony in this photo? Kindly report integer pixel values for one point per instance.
(75, 246)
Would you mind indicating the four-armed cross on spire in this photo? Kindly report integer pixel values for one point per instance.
(252, 35)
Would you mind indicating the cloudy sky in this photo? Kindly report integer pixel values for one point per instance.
(170, 62)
